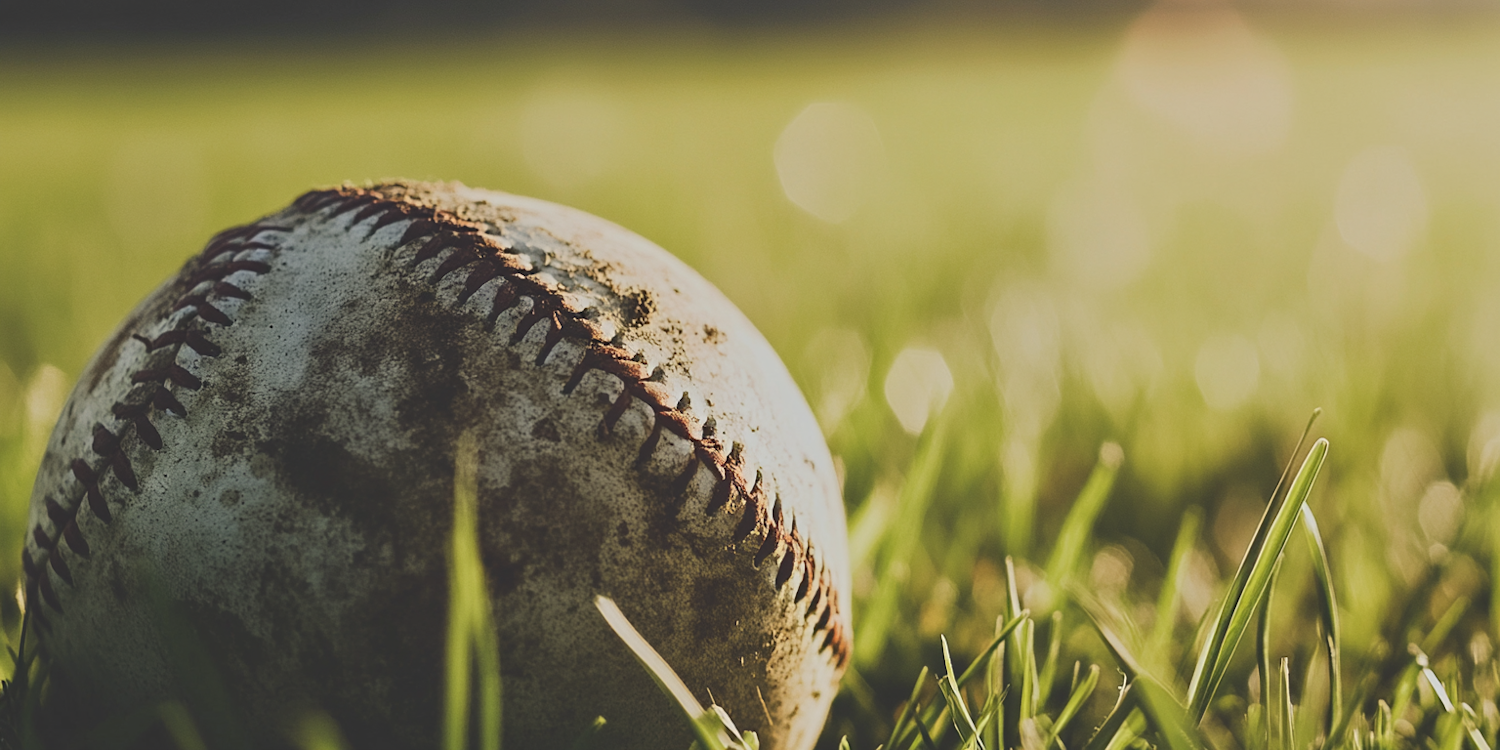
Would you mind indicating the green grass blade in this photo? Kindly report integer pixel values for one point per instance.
(1251, 583)
(1328, 610)
(1284, 706)
(1112, 641)
(473, 648)
(925, 736)
(963, 721)
(996, 685)
(1438, 689)
(1120, 718)
(1165, 714)
(1027, 652)
(1208, 654)
(1166, 601)
(1080, 695)
(1445, 624)
(1263, 655)
(1385, 727)
(911, 706)
(1017, 656)
(868, 526)
(706, 724)
(1405, 688)
(1009, 627)
(1048, 675)
(1471, 726)
(1451, 737)
(977, 741)
(936, 711)
(989, 718)
(916, 495)
(1078, 526)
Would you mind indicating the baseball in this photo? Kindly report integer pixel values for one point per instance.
(267, 444)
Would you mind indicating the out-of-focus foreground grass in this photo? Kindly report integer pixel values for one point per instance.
(1175, 233)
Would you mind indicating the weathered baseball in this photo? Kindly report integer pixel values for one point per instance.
(267, 443)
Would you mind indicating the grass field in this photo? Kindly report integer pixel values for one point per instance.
(985, 251)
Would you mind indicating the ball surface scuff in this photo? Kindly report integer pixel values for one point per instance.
(262, 457)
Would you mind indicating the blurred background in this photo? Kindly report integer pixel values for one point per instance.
(1170, 229)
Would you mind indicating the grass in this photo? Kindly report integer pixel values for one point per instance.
(1015, 584)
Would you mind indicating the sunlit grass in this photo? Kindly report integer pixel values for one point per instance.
(1092, 260)
(472, 696)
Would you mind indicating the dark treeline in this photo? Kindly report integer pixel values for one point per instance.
(40, 20)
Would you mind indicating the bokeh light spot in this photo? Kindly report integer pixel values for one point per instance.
(840, 386)
(1200, 68)
(828, 158)
(1440, 511)
(1381, 208)
(917, 386)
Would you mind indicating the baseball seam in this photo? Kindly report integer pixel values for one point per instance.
(225, 255)
(488, 260)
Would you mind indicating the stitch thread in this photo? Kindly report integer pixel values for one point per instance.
(488, 258)
(148, 391)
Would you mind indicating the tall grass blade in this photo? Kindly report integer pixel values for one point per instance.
(958, 709)
(1028, 691)
(473, 647)
(1017, 659)
(1251, 583)
(1078, 526)
(1284, 706)
(989, 720)
(1463, 719)
(1445, 624)
(1081, 693)
(1471, 726)
(707, 726)
(1438, 689)
(925, 736)
(1122, 718)
(1213, 636)
(916, 495)
(906, 712)
(1048, 675)
(1112, 641)
(1263, 655)
(1166, 601)
(1328, 611)
(1406, 687)
(996, 685)
(936, 711)
(1385, 727)
(868, 526)
(1165, 714)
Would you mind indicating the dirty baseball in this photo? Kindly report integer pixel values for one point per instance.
(263, 454)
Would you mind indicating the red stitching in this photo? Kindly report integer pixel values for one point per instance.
(150, 391)
(488, 259)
